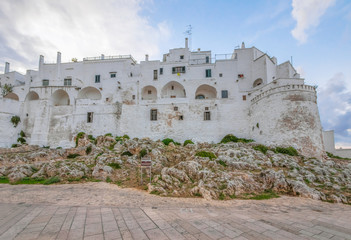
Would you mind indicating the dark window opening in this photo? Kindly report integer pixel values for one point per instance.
(207, 116)
(112, 75)
(97, 78)
(224, 93)
(133, 97)
(206, 108)
(161, 71)
(90, 117)
(181, 56)
(244, 97)
(45, 82)
(155, 74)
(208, 73)
(207, 59)
(181, 117)
(153, 115)
(200, 96)
(67, 82)
(175, 108)
(221, 75)
(178, 70)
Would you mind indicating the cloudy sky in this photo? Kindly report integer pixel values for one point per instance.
(315, 34)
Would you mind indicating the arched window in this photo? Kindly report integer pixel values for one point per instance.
(60, 98)
(31, 96)
(173, 90)
(89, 93)
(149, 93)
(12, 96)
(205, 92)
(257, 82)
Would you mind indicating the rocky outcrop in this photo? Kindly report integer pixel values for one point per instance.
(237, 171)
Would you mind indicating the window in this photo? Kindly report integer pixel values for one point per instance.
(155, 74)
(240, 75)
(224, 93)
(131, 74)
(172, 87)
(181, 117)
(208, 73)
(45, 82)
(173, 96)
(221, 75)
(153, 115)
(207, 116)
(178, 70)
(181, 56)
(67, 82)
(161, 71)
(200, 96)
(207, 59)
(90, 117)
(112, 75)
(244, 97)
(175, 108)
(149, 92)
(133, 97)
(97, 78)
(206, 108)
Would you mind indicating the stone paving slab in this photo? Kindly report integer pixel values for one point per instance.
(34, 221)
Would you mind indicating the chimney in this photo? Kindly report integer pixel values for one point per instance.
(242, 45)
(186, 43)
(274, 59)
(7, 67)
(58, 66)
(41, 62)
(146, 57)
(102, 56)
(199, 49)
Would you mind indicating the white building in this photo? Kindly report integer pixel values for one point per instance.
(188, 95)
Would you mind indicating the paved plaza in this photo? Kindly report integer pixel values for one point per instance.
(163, 218)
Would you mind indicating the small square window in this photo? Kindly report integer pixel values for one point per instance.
(207, 116)
(149, 92)
(244, 97)
(175, 108)
(181, 56)
(224, 93)
(208, 73)
(172, 87)
(133, 97)
(181, 117)
(90, 117)
(221, 75)
(97, 78)
(161, 71)
(206, 108)
(45, 82)
(207, 59)
(173, 96)
(67, 82)
(153, 115)
(113, 75)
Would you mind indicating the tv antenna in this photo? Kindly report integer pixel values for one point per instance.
(188, 33)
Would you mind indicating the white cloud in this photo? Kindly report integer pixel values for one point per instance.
(307, 14)
(78, 29)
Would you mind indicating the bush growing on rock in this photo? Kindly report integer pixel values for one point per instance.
(52, 180)
(114, 165)
(231, 138)
(210, 155)
(289, 150)
(108, 135)
(186, 142)
(79, 136)
(261, 148)
(88, 150)
(21, 140)
(167, 141)
(142, 153)
(127, 153)
(73, 155)
(14, 145)
(15, 120)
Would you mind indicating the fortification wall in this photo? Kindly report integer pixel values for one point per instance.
(9, 133)
(287, 115)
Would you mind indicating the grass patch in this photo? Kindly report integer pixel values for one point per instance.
(337, 157)
(307, 181)
(222, 163)
(119, 183)
(79, 136)
(267, 194)
(289, 151)
(74, 155)
(52, 180)
(167, 141)
(233, 196)
(197, 194)
(155, 192)
(114, 165)
(232, 138)
(108, 179)
(210, 155)
(221, 196)
(28, 180)
(88, 150)
(261, 148)
(108, 135)
(14, 145)
(4, 180)
(74, 179)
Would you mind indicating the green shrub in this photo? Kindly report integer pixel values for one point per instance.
(210, 155)
(114, 165)
(91, 138)
(221, 196)
(289, 150)
(167, 141)
(108, 135)
(73, 155)
(108, 179)
(88, 150)
(267, 194)
(21, 140)
(125, 136)
(46, 147)
(127, 153)
(15, 120)
(232, 138)
(28, 180)
(34, 169)
(52, 180)
(186, 142)
(142, 153)
(22, 134)
(261, 148)
(79, 136)
(14, 145)
(6, 89)
(59, 148)
(112, 145)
